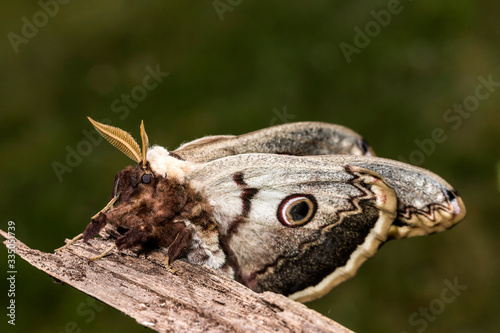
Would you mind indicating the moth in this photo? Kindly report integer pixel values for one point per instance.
(293, 209)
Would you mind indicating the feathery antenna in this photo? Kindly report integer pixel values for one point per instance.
(145, 144)
(120, 139)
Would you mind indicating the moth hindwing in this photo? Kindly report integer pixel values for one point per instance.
(294, 209)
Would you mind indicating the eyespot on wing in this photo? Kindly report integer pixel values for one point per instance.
(297, 209)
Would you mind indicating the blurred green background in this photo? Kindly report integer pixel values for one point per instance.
(237, 66)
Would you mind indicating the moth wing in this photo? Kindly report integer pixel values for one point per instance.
(361, 202)
(426, 202)
(352, 217)
(300, 139)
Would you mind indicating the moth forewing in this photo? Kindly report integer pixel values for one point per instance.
(426, 202)
(355, 209)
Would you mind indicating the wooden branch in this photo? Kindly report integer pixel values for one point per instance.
(196, 299)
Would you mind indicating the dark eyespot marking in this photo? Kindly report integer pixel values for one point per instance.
(146, 178)
(297, 209)
(450, 195)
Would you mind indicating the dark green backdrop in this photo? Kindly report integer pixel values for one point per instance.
(236, 66)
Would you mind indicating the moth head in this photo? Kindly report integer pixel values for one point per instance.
(139, 191)
(127, 145)
(153, 163)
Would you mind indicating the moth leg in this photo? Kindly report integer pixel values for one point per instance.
(167, 258)
(168, 267)
(178, 245)
(106, 208)
(98, 221)
(109, 249)
(136, 235)
(77, 237)
(95, 226)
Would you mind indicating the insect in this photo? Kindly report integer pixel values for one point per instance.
(294, 209)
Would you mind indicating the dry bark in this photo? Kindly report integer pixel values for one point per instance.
(195, 299)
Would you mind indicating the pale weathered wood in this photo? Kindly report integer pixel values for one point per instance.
(196, 299)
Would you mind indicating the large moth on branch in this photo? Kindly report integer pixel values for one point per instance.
(294, 209)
